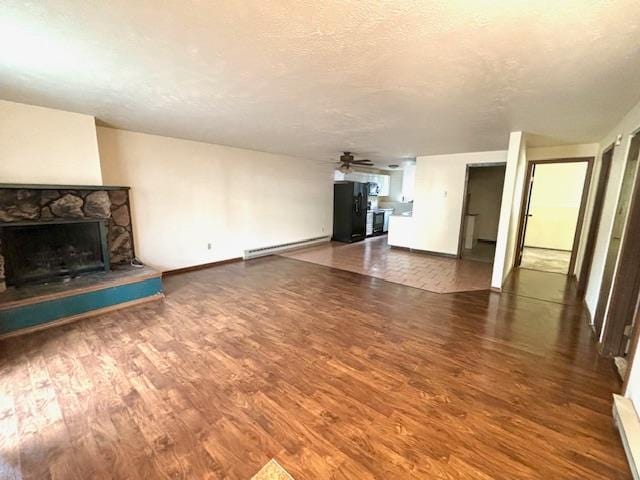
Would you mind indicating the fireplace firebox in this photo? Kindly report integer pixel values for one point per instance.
(38, 252)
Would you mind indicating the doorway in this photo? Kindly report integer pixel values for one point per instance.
(621, 276)
(552, 214)
(481, 211)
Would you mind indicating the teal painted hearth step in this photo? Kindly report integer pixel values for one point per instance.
(32, 308)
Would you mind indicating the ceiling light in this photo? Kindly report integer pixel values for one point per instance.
(393, 165)
(345, 168)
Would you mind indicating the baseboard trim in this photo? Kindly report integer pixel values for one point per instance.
(626, 420)
(82, 316)
(176, 271)
(425, 252)
(437, 254)
(587, 312)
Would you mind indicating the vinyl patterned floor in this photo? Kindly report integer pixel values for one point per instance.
(374, 257)
(333, 374)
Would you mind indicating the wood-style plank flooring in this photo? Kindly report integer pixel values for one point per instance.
(332, 373)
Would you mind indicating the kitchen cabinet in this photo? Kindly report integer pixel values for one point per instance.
(369, 225)
(400, 231)
(408, 182)
(382, 180)
(387, 215)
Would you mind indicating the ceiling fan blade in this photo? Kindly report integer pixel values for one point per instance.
(362, 161)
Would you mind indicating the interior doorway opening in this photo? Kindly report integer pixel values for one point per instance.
(620, 285)
(481, 211)
(552, 214)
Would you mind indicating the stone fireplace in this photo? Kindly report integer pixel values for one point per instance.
(44, 251)
(49, 231)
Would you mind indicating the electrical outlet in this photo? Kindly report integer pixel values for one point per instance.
(208, 246)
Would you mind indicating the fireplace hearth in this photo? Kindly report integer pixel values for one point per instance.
(50, 233)
(46, 251)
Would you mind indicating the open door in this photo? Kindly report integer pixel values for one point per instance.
(552, 212)
(526, 206)
(596, 217)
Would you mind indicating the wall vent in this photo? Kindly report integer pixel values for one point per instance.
(283, 247)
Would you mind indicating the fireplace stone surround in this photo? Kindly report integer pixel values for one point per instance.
(40, 204)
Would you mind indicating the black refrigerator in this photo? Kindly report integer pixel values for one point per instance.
(349, 211)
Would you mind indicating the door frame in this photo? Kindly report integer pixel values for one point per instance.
(596, 218)
(526, 193)
(465, 195)
(624, 293)
(633, 347)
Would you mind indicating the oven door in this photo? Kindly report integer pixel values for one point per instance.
(378, 223)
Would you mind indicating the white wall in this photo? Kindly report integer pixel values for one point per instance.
(187, 194)
(42, 145)
(510, 210)
(439, 195)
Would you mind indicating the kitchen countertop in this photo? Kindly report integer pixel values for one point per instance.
(403, 214)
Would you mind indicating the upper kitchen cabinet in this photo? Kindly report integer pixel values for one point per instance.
(382, 180)
(408, 182)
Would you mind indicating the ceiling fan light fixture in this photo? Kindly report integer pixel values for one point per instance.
(345, 168)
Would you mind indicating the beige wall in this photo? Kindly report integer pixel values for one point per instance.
(42, 145)
(439, 195)
(581, 150)
(485, 194)
(187, 194)
(555, 204)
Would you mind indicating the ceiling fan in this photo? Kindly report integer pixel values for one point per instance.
(347, 160)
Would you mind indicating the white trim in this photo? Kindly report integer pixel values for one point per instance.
(628, 423)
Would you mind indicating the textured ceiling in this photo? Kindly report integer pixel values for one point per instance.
(386, 79)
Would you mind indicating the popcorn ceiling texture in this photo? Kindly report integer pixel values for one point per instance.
(384, 79)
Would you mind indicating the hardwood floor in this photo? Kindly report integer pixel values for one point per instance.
(548, 286)
(333, 374)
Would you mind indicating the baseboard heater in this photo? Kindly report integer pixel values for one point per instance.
(626, 419)
(272, 249)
